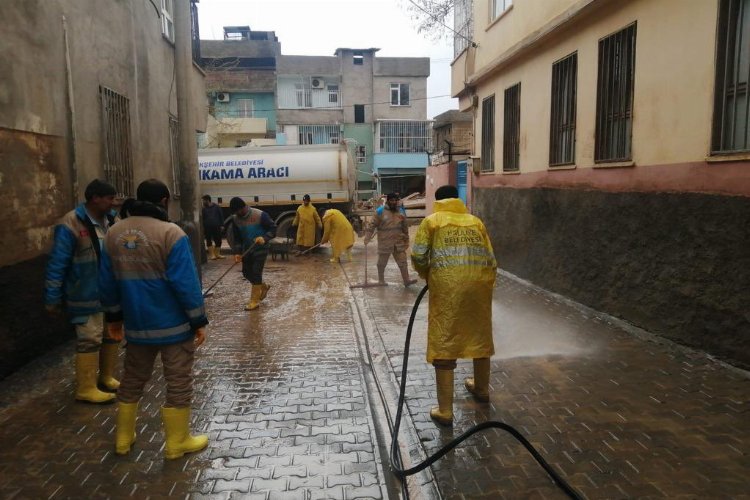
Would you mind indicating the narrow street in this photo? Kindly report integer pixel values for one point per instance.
(294, 411)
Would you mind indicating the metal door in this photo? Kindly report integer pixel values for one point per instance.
(461, 179)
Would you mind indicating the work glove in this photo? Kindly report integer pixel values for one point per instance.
(260, 240)
(237, 259)
(115, 331)
(54, 310)
(200, 336)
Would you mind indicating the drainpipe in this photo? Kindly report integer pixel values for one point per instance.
(188, 155)
(72, 153)
(450, 147)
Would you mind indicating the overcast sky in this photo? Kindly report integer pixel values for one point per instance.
(319, 27)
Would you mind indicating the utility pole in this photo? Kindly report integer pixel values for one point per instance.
(189, 215)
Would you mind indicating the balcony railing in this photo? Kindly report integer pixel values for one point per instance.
(308, 98)
(404, 136)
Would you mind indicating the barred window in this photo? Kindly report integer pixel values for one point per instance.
(118, 159)
(731, 132)
(562, 133)
(488, 134)
(512, 128)
(614, 96)
(319, 134)
(361, 153)
(404, 136)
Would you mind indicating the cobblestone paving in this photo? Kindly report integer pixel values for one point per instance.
(619, 413)
(279, 391)
(283, 394)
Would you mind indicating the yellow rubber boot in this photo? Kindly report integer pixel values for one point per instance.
(125, 430)
(107, 364)
(264, 291)
(443, 412)
(479, 384)
(178, 439)
(87, 364)
(210, 252)
(254, 298)
(217, 253)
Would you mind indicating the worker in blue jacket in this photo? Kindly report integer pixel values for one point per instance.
(151, 290)
(71, 280)
(251, 231)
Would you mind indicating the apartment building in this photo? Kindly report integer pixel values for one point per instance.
(241, 86)
(611, 160)
(86, 91)
(377, 103)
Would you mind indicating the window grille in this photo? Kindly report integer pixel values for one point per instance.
(404, 136)
(118, 160)
(512, 128)
(463, 25)
(167, 19)
(614, 96)
(562, 132)
(730, 132)
(319, 134)
(488, 134)
(174, 154)
(500, 6)
(333, 94)
(361, 153)
(399, 94)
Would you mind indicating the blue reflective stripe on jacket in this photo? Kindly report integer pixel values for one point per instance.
(148, 273)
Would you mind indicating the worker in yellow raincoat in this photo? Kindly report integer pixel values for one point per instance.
(307, 221)
(453, 253)
(338, 230)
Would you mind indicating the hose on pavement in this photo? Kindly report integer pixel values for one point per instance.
(396, 459)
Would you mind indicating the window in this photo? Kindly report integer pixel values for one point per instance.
(174, 154)
(361, 153)
(404, 136)
(118, 159)
(303, 95)
(399, 94)
(319, 134)
(512, 128)
(500, 6)
(167, 19)
(562, 129)
(731, 132)
(358, 59)
(614, 96)
(488, 134)
(333, 94)
(245, 108)
(359, 113)
(463, 25)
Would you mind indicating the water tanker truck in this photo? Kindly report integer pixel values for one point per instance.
(275, 178)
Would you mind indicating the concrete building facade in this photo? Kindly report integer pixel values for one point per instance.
(611, 155)
(86, 91)
(240, 85)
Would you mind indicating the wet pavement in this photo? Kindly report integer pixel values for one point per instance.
(292, 394)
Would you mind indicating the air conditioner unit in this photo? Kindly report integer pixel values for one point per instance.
(317, 82)
(222, 97)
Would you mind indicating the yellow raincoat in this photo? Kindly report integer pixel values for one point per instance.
(338, 230)
(453, 253)
(306, 220)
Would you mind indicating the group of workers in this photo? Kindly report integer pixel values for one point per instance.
(136, 280)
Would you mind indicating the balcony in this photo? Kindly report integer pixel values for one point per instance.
(308, 98)
(233, 123)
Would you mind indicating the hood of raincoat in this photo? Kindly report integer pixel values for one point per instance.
(450, 205)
